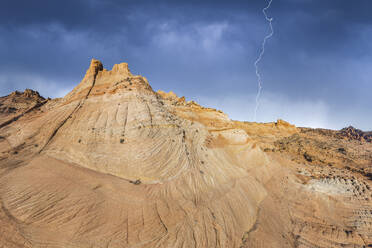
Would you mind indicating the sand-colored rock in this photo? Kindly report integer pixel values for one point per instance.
(115, 164)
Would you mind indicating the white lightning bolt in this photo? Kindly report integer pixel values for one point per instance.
(259, 79)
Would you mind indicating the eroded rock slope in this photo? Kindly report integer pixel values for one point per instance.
(115, 164)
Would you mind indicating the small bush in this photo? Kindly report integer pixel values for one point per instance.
(308, 157)
(341, 150)
(137, 182)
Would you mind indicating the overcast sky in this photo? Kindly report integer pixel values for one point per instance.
(317, 69)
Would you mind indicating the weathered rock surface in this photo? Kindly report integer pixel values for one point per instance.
(352, 133)
(115, 164)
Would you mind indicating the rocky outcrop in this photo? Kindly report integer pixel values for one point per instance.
(27, 94)
(18, 101)
(115, 164)
(17, 104)
(352, 133)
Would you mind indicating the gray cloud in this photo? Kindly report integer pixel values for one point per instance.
(320, 54)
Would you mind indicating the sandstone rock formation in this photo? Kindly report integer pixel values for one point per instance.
(115, 164)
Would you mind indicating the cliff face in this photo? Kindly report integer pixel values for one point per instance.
(115, 164)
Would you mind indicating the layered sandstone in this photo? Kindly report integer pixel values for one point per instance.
(115, 164)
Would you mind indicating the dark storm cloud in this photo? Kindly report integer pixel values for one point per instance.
(317, 64)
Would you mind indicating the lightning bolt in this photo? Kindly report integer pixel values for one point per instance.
(262, 52)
